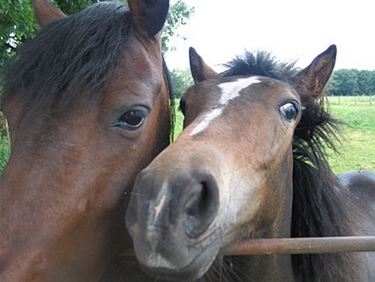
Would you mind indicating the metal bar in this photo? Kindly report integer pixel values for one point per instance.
(309, 245)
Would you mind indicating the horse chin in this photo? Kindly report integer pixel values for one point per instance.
(194, 270)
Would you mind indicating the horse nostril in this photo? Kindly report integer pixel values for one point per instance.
(196, 204)
(201, 207)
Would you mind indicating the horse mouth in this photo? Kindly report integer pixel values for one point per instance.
(195, 269)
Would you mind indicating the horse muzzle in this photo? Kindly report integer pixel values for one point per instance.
(170, 218)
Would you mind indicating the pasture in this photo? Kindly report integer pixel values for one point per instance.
(357, 147)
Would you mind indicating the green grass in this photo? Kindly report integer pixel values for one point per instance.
(357, 148)
(178, 123)
(4, 152)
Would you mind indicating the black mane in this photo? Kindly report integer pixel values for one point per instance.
(79, 60)
(321, 206)
(261, 63)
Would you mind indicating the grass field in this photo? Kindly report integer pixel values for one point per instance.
(357, 148)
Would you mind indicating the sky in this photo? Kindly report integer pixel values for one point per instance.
(289, 29)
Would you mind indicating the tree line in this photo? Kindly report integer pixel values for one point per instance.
(352, 82)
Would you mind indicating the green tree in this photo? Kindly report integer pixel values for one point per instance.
(371, 82)
(178, 15)
(70, 7)
(181, 81)
(363, 81)
(344, 83)
(351, 82)
(17, 22)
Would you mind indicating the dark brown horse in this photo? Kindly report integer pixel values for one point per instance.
(250, 163)
(87, 102)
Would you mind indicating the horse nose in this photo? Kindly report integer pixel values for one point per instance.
(183, 204)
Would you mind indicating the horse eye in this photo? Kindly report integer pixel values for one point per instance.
(289, 111)
(132, 119)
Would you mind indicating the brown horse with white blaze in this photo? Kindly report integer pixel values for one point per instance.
(87, 102)
(250, 163)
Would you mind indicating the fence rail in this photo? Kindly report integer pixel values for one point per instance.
(310, 245)
(306, 245)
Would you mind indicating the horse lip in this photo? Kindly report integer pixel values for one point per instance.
(191, 271)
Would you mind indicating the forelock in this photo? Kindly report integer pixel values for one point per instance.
(69, 57)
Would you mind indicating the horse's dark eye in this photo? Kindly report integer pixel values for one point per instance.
(132, 119)
(289, 111)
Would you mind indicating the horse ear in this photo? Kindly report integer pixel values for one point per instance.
(312, 80)
(45, 12)
(149, 15)
(200, 71)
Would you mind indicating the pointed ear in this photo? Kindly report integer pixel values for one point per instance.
(312, 80)
(149, 15)
(45, 12)
(199, 69)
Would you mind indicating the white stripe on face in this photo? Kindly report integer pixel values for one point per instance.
(229, 91)
(206, 120)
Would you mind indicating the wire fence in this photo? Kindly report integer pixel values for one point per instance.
(352, 100)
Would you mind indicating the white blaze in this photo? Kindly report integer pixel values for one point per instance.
(206, 120)
(229, 91)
